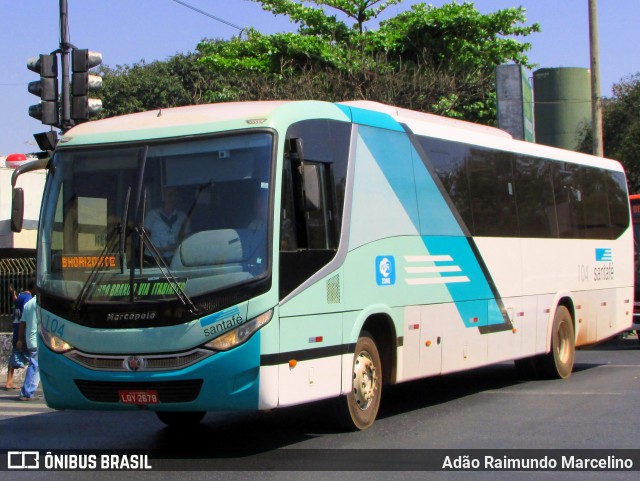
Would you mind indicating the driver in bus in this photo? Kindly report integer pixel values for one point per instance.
(167, 225)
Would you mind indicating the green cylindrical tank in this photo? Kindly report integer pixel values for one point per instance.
(562, 105)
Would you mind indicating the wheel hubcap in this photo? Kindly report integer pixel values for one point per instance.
(563, 344)
(365, 380)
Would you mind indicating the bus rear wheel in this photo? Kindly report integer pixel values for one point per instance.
(359, 408)
(558, 363)
(180, 419)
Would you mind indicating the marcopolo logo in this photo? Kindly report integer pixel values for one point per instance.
(385, 270)
(134, 363)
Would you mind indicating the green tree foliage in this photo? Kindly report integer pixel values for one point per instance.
(314, 21)
(431, 59)
(126, 89)
(464, 46)
(621, 129)
(457, 35)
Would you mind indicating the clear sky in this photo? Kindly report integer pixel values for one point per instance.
(128, 31)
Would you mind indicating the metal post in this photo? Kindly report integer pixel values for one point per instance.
(596, 104)
(65, 48)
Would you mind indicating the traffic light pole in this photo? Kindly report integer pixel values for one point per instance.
(70, 104)
(65, 48)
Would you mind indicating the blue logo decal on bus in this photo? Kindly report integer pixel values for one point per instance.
(604, 254)
(385, 270)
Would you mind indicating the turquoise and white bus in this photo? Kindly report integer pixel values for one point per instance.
(328, 250)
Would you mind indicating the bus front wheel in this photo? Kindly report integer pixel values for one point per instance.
(359, 408)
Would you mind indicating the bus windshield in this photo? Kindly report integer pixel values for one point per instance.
(156, 221)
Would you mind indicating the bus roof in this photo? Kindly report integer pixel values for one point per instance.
(411, 116)
(206, 118)
(177, 116)
(466, 132)
(197, 120)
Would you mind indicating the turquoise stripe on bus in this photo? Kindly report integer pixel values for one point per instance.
(370, 118)
(392, 153)
(478, 304)
(475, 299)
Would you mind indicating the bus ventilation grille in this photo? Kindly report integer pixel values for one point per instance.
(333, 290)
(168, 392)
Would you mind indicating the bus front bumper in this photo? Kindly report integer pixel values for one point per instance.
(224, 381)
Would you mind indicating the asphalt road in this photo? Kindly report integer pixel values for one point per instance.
(488, 408)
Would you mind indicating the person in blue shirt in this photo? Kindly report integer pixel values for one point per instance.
(18, 358)
(28, 336)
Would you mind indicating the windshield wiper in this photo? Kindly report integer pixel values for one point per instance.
(123, 228)
(100, 266)
(141, 200)
(164, 269)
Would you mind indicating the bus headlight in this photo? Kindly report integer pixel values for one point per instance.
(53, 342)
(240, 334)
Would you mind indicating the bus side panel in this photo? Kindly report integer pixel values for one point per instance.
(439, 268)
(625, 300)
(312, 348)
(591, 282)
(383, 214)
(455, 302)
(269, 348)
(409, 365)
(507, 344)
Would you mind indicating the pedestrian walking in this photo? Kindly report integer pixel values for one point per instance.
(18, 358)
(28, 336)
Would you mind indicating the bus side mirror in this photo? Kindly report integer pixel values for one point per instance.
(17, 209)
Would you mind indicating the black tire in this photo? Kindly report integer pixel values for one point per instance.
(359, 408)
(180, 419)
(558, 363)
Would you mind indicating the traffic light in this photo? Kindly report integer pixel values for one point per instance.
(82, 83)
(46, 88)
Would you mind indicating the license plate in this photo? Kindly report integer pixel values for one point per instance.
(139, 397)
